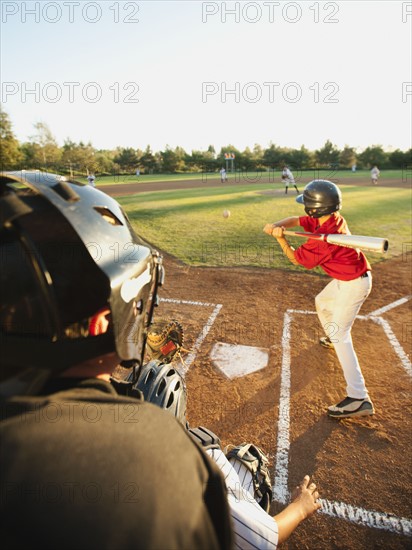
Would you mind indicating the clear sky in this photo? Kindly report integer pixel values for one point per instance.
(194, 73)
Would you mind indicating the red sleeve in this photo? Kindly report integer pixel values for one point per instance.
(309, 224)
(338, 262)
(313, 253)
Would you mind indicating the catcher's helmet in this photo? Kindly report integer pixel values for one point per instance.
(162, 385)
(320, 197)
(76, 280)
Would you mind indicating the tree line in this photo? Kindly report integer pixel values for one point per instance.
(77, 159)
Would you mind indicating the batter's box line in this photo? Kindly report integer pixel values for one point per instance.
(203, 333)
(341, 510)
(375, 316)
(397, 347)
(367, 518)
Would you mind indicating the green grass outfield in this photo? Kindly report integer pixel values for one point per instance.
(189, 223)
(247, 177)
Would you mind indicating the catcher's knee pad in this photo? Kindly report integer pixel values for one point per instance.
(205, 438)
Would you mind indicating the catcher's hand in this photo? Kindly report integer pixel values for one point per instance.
(254, 459)
(164, 340)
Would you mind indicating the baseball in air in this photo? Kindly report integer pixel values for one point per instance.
(226, 213)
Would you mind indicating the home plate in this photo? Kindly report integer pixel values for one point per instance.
(234, 360)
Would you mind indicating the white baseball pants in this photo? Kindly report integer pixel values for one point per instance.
(337, 306)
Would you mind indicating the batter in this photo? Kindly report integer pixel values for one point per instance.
(340, 301)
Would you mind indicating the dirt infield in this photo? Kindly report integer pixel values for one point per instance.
(362, 466)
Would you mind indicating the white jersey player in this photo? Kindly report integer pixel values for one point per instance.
(288, 178)
(375, 173)
(92, 180)
(253, 527)
(223, 175)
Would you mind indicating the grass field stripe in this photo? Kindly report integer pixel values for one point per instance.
(368, 518)
(280, 486)
(388, 307)
(400, 352)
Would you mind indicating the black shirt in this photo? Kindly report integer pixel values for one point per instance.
(86, 468)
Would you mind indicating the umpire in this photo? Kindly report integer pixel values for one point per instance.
(85, 462)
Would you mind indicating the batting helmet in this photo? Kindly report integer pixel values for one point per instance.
(163, 386)
(320, 197)
(76, 280)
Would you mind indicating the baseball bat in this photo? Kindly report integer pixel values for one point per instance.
(372, 244)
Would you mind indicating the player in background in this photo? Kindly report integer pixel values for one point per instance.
(223, 175)
(91, 180)
(338, 304)
(288, 178)
(375, 173)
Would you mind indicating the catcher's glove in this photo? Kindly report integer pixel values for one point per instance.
(164, 340)
(257, 463)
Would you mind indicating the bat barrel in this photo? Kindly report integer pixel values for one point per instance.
(372, 244)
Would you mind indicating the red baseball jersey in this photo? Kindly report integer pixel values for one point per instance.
(338, 262)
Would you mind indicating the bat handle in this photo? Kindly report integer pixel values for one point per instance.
(304, 235)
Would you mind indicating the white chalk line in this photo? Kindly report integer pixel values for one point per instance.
(400, 352)
(367, 518)
(342, 510)
(188, 361)
(388, 307)
(189, 302)
(280, 487)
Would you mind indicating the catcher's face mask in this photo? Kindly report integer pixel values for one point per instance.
(76, 281)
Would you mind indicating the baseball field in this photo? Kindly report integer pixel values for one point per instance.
(255, 371)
